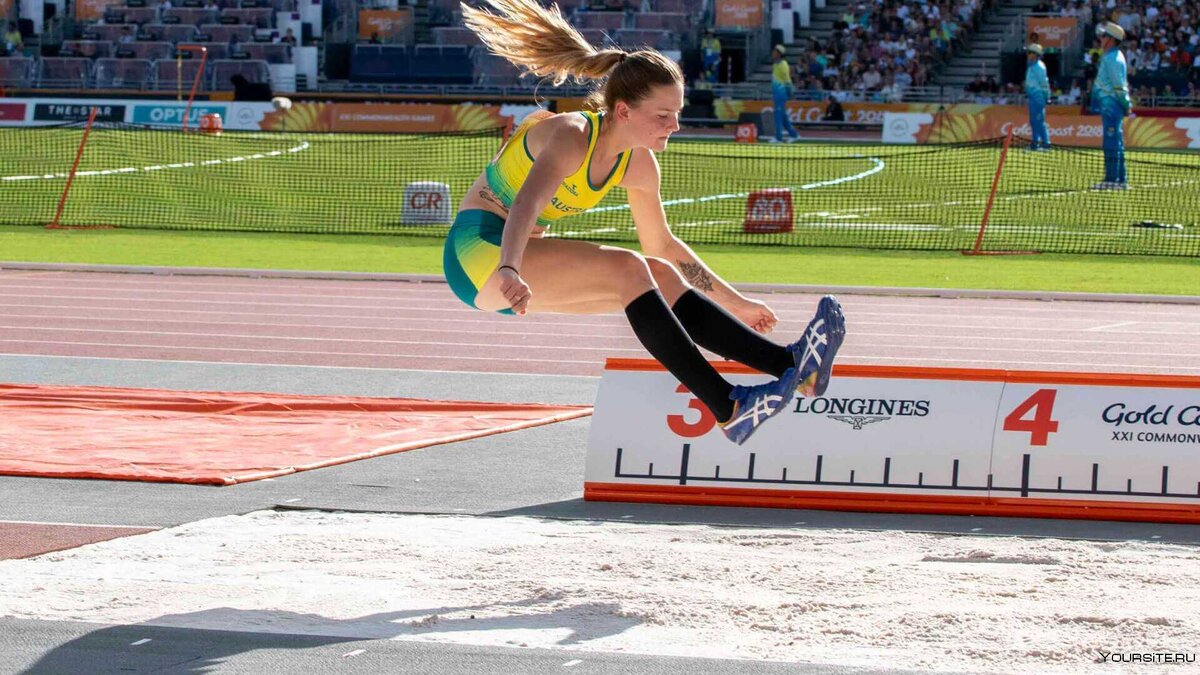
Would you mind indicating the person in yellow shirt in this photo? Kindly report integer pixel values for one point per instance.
(12, 40)
(710, 48)
(781, 91)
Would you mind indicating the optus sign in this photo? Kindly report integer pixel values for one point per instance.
(172, 115)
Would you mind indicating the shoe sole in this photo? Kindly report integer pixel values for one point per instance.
(835, 332)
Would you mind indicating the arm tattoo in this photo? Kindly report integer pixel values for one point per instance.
(696, 276)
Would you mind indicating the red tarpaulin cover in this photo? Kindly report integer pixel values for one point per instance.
(224, 438)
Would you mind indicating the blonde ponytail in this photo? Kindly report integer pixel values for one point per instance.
(540, 40)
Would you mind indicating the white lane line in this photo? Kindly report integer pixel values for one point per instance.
(311, 326)
(1114, 325)
(573, 662)
(861, 359)
(381, 307)
(283, 365)
(335, 340)
(457, 357)
(139, 642)
(112, 527)
(191, 293)
(620, 329)
(489, 321)
(356, 652)
(905, 343)
(304, 145)
(475, 315)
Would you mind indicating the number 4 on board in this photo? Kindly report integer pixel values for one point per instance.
(1041, 425)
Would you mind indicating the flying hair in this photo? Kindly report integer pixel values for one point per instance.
(541, 41)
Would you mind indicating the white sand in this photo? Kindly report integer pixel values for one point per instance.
(846, 597)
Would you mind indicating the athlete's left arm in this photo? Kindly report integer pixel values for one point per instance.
(642, 182)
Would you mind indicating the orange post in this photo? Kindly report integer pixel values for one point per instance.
(196, 82)
(62, 201)
(987, 211)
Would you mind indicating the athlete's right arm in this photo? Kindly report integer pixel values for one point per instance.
(559, 156)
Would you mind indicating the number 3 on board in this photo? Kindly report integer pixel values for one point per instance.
(702, 426)
(1041, 425)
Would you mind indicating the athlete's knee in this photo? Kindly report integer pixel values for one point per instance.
(667, 277)
(630, 271)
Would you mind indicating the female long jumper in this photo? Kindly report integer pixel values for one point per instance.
(555, 166)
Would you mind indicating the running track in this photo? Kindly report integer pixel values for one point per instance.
(402, 325)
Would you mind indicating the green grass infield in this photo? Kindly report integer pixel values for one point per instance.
(736, 263)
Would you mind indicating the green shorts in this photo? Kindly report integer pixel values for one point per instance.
(472, 253)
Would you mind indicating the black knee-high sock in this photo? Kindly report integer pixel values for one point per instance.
(719, 331)
(663, 336)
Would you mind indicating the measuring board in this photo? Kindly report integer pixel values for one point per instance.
(920, 440)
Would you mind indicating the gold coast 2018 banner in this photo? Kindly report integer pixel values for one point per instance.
(966, 122)
(1065, 129)
(385, 118)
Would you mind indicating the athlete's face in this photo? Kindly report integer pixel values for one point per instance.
(656, 117)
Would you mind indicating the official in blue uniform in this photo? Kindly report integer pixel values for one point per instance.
(1110, 98)
(1037, 93)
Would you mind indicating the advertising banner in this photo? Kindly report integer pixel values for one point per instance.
(387, 24)
(739, 13)
(172, 114)
(1073, 130)
(12, 113)
(384, 118)
(78, 112)
(1053, 32)
(866, 113)
(902, 439)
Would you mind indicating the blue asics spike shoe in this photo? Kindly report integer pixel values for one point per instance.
(814, 351)
(756, 404)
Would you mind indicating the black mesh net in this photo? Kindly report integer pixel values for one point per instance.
(809, 194)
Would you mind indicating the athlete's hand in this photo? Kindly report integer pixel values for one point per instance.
(756, 315)
(515, 290)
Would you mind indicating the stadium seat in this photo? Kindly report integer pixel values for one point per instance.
(138, 15)
(257, 17)
(677, 23)
(173, 34)
(122, 73)
(190, 16)
(379, 63)
(688, 7)
(104, 32)
(150, 51)
(63, 73)
(433, 64)
(221, 33)
(167, 75)
(455, 35)
(215, 50)
(609, 21)
(637, 38)
(270, 53)
(496, 71)
(16, 72)
(254, 71)
(87, 48)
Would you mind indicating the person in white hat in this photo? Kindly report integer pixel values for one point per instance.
(1037, 93)
(781, 91)
(1110, 98)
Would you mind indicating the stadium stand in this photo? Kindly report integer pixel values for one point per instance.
(860, 50)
